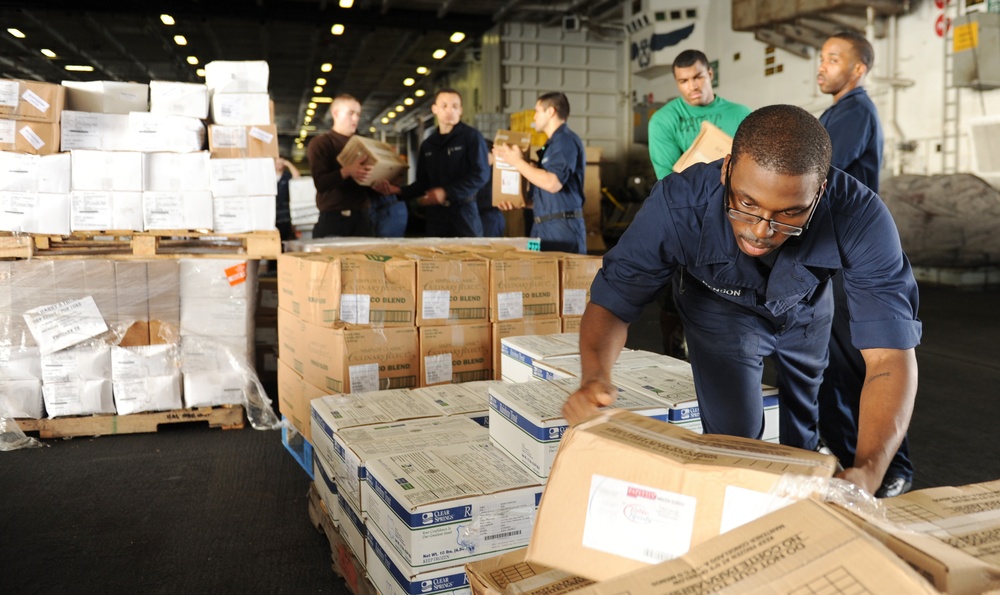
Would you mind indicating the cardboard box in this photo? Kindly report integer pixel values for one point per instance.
(680, 488)
(455, 353)
(178, 99)
(508, 184)
(106, 210)
(710, 144)
(146, 378)
(510, 572)
(177, 210)
(326, 487)
(80, 397)
(592, 198)
(576, 275)
(243, 141)
(295, 397)
(243, 214)
(385, 161)
(352, 528)
(571, 324)
(99, 132)
(804, 548)
(33, 212)
(241, 109)
(31, 101)
(242, 177)
(106, 97)
(106, 170)
(152, 133)
(523, 285)
(459, 399)
(163, 291)
(517, 354)
(54, 173)
(175, 172)
(515, 328)
(449, 505)
(19, 172)
(21, 399)
(223, 76)
(392, 576)
(132, 296)
(35, 138)
(451, 288)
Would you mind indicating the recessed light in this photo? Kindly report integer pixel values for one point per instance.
(322, 99)
(408, 81)
(48, 53)
(166, 19)
(317, 89)
(438, 54)
(326, 67)
(408, 101)
(420, 92)
(385, 120)
(312, 105)
(310, 112)
(200, 72)
(457, 37)
(371, 129)
(180, 40)
(307, 119)
(346, 3)
(391, 115)
(321, 81)
(16, 33)
(337, 29)
(422, 70)
(192, 60)
(79, 68)
(399, 108)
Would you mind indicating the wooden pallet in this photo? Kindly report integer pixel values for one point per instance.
(124, 245)
(227, 417)
(344, 562)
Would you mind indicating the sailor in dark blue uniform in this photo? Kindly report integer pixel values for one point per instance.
(756, 238)
(557, 192)
(451, 167)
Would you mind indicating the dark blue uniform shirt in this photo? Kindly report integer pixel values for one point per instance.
(856, 134)
(456, 161)
(562, 227)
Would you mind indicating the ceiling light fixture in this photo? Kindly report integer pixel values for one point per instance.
(167, 20)
(321, 81)
(385, 120)
(48, 53)
(79, 68)
(438, 54)
(371, 129)
(200, 72)
(391, 115)
(312, 105)
(408, 81)
(420, 92)
(180, 40)
(400, 108)
(457, 37)
(422, 70)
(192, 60)
(326, 67)
(337, 29)
(16, 33)
(322, 99)
(310, 112)
(346, 3)
(307, 119)
(317, 89)
(408, 101)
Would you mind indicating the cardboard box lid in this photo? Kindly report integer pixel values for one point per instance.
(710, 144)
(509, 572)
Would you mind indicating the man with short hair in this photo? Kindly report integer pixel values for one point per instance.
(557, 183)
(754, 239)
(856, 134)
(451, 167)
(342, 198)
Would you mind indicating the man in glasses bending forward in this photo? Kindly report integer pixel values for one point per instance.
(750, 244)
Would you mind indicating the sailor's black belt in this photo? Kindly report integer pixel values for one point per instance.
(577, 214)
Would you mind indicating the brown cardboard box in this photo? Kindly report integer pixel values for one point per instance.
(292, 337)
(592, 197)
(455, 353)
(517, 328)
(508, 184)
(386, 162)
(34, 101)
(294, 398)
(523, 285)
(626, 491)
(23, 136)
(267, 296)
(346, 360)
(805, 547)
(510, 572)
(461, 279)
(571, 324)
(710, 144)
(243, 141)
(576, 274)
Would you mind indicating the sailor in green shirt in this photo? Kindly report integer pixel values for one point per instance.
(674, 126)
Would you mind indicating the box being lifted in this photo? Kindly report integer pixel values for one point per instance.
(385, 161)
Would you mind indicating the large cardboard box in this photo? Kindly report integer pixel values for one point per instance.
(228, 76)
(175, 172)
(710, 144)
(243, 141)
(241, 109)
(508, 185)
(677, 489)
(804, 548)
(326, 486)
(469, 399)
(106, 170)
(35, 138)
(455, 353)
(382, 157)
(345, 360)
(31, 101)
(352, 529)
(519, 353)
(163, 290)
(391, 575)
(511, 573)
(177, 210)
(106, 97)
(523, 285)
(592, 199)
(516, 328)
(178, 99)
(452, 288)
(252, 176)
(576, 275)
(295, 397)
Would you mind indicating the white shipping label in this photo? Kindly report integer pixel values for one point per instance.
(8, 128)
(438, 368)
(261, 135)
(510, 182)
(355, 308)
(33, 139)
(510, 305)
(742, 506)
(64, 324)
(33, 98)
(229, 137)
(638, 522)
(574, 302)
(436, 304)
(364, 378)
(8, 93)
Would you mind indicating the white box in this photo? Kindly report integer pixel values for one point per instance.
(173, 172)
(207, 389)
(21, 398)
(106, 97)
(31, 212)
(178, 99)
(526, 418)
(215, 354)
(104, 210)
(391, 576)
(354, 447)
(243, 214)
(326, 485)
(54, 173)
(18, 362)
(212, 317)
(53, 214)
(181, 210)
(241, 109)
(217, 278)
(18, 172)
(77, 363)
(222, 76)
(83, 397)
(449, 505)
(146, 378)
(518, 353)
(106, 170)
(152, 133)
(352, 528)
(99, 132)
(243, 177)
(460, 399)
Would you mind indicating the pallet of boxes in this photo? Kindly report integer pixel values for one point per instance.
(129, 273)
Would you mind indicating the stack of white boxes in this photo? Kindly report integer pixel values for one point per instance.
(34, 193)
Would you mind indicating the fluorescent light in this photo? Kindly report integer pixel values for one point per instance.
(79, 68)
(16, 33)
(420, 92)
(408, 81)
(48, 53)
(326, 67)
(322, 99)
(408, 101)
(346, 3)
(321, 81)
(180, 40)
(307, 119)
(391, 115)
(310, 112)
(438, 54)
(337, 29)
(312, 105)
(371, 129)
(385, 120)
(192, 60)
(457, 37)
(400, 108)
(422, 70)
(200, 72)
(317, 89)
(166, 19)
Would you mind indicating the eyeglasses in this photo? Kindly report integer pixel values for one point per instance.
(776, 226)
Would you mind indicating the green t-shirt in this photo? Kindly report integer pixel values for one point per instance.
(674, 127)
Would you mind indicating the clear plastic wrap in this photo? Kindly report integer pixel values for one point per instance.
(836, 491)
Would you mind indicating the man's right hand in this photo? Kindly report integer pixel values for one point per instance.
(585, 402)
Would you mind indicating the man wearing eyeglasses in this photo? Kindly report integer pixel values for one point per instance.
(755, 239)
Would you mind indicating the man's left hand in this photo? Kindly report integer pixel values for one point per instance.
(860, 478)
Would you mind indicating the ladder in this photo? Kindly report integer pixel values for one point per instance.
(950, 104)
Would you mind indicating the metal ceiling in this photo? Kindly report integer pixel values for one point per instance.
(383, 43)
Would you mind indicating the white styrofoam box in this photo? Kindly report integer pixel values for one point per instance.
(152, 393)
(172, 172)
(18, 172)
(178, 99)
(203, 389)
(152, 133)
(84, 362)
(356, 446)
(216, 317)
(243, 177)
(302, 200)
(326, 485)
(352, 529)
(215, 369)
(100, 132)
(106, 97)
(518, 353)
(54, 173)
(526, 418)
(83, 397)
(391, 576)
(190, 209)
(21, 398)
(218, 278)
(241, 109)
(104, 210)
(459, 399)
(451, 504)
(32, 212)
(225, 76)
(106, 170)
(242, 214)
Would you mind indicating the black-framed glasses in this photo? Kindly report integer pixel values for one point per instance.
(776, 226)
